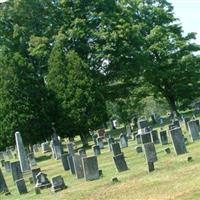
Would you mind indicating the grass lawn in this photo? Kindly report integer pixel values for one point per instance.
(174, 177)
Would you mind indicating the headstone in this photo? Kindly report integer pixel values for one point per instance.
(35, 172)
(24, 164)
(128, 131)
(71, 164)
(111, 140)
(21, 186)
(96, 150)
(94, 137)
(7, 166)
(150, 166)
(101, 133)
(138, 138)
(194, 130)
(142, 123)
(90, 168)
(65, 163)
(138, 149)
(82, 152)
(163, 137)
(57, 183)
(123, 140)
(35, 148)
(154, 137)
(32, 160)
(100, 142)
(42, 181)
(3, 185)
(120, 163)
(45, 147)
(116, 149)
(78, 166)
(150, 152)
(186, 120)
(16, 171)
(70, 147)
(178, 141)
(145, 138)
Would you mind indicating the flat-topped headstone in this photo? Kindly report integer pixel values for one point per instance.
(24, 164)
(178, 141)
(32, 161)
(146, 138)
(57, 184)
(3, 185)
(150, 152)
(35, 172)
(186, 120)
(154, 137)
(21, 186)
(142, 123)
(90, 168)
(120, 163)
(65, 163)
(100, 142)
(71, 164)
(96, 150)
(138, 138)
(7, 166)
(45, 146)
(78, 166)
(123, 140)
(194, 130)
(163, 137)
(42, 181)
(128, 131)
(116, 149)
(70, 147)
(111, 140)
(16, 171)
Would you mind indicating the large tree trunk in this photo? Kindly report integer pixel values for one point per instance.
(173, 107)
(84, 138)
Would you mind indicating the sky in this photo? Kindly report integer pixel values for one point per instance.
(188, 11)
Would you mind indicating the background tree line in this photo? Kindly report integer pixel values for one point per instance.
(72, 62)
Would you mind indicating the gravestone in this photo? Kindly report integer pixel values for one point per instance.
(42, 181)
(82, 152)
(138, 138)
(70, 147)
(7, 166)
(94, 137)
(24, 164)
(186, 120)
(65, 163)
(71, 164)
(145, 138)
(21, 186)
(45, 147)
(142, 123)
(123, 140)
(100, 142)
(90, 168)
(96, 150)
(163, 137)
(120, 163)
(35, 148)
(3, 185)
(111, 140)
(193, 130)
(32, 161)
(178, 141)
(128, 131)
(16, 171)
(154, 137)
(57, 184)
(138, 149)
(116, 149)
(101, 132)
(35, 172)
(78, 166)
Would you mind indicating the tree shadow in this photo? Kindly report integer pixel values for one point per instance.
(43, 158)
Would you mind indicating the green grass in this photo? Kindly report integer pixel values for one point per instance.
(173, 178)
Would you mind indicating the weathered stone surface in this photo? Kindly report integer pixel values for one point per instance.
(178, 141)
(78, 166)
(123, 140)
(3, 185)
(150, 152)
(7, 166)
(70, 147)
(96, 150)
(145, 138)
(193, 130)
(21, 186)
(57, 183)
(65, 163)
(163, 137)
(100, 142)
(35, 172)
(82, 152)
(24, 164)
(71, 164)
(90, 168)
(116, 149)
(154, 137)
(42, 181)
(16, 171)
(142, 123)
(120, 163)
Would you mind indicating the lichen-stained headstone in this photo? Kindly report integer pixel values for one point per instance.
(150, 152)
(3, 185)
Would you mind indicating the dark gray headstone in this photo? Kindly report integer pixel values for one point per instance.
(142, 123)
(154, 137)
(123, 140)
(178, 141)
(71, 164)
(111, 140)
(194, 130)
(16, 170)
(150, 166)
(116, 149)
(65, 163)
(21, 186)
(3, 185)
(163, 137)
(120, 163)
(150, 152)
(57, 183)
(100, 142)
(90, 168)
(78, 166)
(145, 138)
(42, 181)
(7, 166)
(70, 147)
(138, 138)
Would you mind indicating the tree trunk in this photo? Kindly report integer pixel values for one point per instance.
(84, 139)
(173, 107)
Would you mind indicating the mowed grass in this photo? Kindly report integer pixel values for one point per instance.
(174, 177)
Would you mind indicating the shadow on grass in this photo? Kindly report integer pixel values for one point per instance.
(43, 158)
